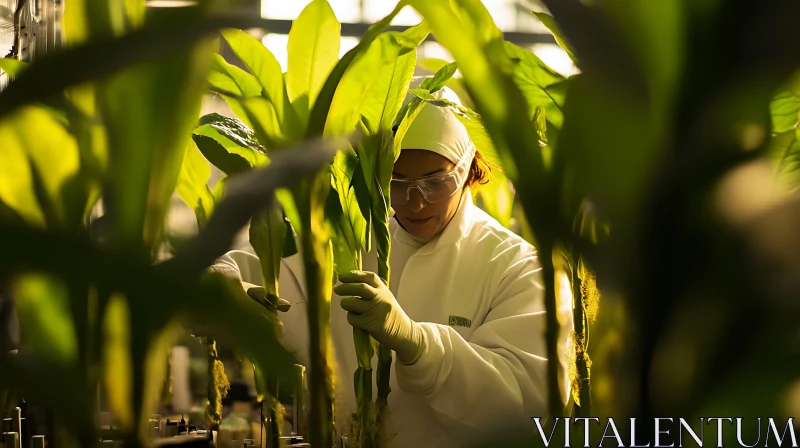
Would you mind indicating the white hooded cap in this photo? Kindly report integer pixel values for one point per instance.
(437, 129)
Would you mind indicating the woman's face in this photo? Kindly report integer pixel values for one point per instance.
(419, 217)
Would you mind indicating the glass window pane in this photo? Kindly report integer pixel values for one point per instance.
(430, 49)
(346, 44)
(345, 10)
(375, 10)
(503, 13)
(527, 22)
(556, 58)
(277, 43)
(281, 9)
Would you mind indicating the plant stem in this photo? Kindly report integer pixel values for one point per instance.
(555, 405)
(274, 410)
(384, 357)
(584, 407)
(214, 404)
(321, 389)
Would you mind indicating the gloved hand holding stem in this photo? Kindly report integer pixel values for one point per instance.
(373, 308)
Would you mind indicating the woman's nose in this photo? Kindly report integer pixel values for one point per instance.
(416, 202)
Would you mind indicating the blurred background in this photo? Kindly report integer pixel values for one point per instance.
(41, 26)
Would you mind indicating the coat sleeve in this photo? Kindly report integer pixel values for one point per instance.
(246, 267)
(497, 378)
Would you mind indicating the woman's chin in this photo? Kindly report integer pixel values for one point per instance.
(420, 228)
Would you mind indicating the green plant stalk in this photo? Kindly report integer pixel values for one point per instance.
(362, 382)
(584, 409)
(214, 403)
(555, 405)
(315, 253)
(275, 412)
(362, 385)
(384, 354)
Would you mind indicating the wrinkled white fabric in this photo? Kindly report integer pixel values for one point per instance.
(476, 290)
(436, 128)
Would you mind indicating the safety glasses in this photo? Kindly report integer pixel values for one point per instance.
(433, 188)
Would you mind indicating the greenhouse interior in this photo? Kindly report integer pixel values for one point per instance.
(380, 223)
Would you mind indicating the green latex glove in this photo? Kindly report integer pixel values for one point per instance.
(372, 307)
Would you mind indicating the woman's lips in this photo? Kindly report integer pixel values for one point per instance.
(420, 221)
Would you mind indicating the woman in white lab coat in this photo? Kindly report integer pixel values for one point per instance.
(464, 311)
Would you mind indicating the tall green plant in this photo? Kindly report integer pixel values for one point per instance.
(362, 182)
(123, 310)
(281, 111)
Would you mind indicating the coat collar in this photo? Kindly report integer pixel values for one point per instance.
(455, 231)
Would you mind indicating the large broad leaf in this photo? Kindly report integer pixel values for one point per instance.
(150, 112)
(344, 215)
(193, 184)
(35, 146)
(12, 67)
(268, 237)
(260, 114)
(47, 331)
(321, 108)
(785, 111)
(117, 361)
(366, 87)
(784, 150)
(378, 153)
(266, 69)
(540, 85)
(235, 144)
(313, 52)
(230, 79)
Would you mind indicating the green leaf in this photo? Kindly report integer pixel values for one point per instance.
(228, 144)
(261, 115)
(344, 214)
(784, 150)
(539, 84)
(313, 51)
(118, 375)
(229, 163)
(193, 184)
(432, 64)
(268, 237)
(289, 245)
(150, 112)
(47, 331)
(441, 77)
(266, 69)
(34, 140)
(549, 22)
(785, 112)
(12, 67)
(411, 108)
(412, 37)
(289, 206)
(364, 88)
(322, 107)
(230, 79)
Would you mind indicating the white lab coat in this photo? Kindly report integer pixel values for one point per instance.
(472, 384)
